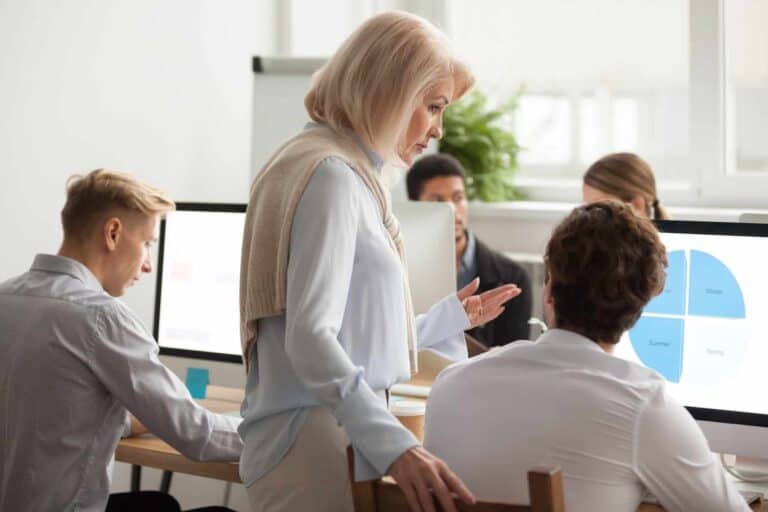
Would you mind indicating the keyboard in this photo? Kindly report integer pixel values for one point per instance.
(749, 496)
(410, 390)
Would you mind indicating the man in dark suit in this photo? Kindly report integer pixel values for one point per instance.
(441, 177)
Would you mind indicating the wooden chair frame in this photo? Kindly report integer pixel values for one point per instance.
(545, 486)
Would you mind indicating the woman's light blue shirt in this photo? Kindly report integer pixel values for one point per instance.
(344, 333)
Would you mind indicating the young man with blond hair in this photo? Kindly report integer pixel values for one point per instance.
(74, 360)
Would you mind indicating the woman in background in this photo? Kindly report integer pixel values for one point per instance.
(624, 177)
(326, 319)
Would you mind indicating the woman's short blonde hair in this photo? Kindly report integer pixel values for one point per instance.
(377, 77)
(102, 192)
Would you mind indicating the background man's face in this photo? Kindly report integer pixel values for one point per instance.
(448, 189)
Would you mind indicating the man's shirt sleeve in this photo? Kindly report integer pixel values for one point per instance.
(674, 462)
(124, 358)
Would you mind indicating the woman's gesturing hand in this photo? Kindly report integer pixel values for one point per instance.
(488, 305)
(418, 472)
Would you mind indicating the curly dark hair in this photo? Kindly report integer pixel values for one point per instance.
(605, 264)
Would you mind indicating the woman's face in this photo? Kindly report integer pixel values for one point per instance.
(591, 194)
(426, 121)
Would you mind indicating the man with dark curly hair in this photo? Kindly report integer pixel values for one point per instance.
(566, 401)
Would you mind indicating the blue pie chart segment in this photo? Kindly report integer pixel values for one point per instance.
(671, 301)
(658, 342)
(714, 290)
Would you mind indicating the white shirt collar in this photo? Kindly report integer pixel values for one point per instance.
(562, 337)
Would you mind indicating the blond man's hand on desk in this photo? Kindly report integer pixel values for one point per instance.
(137, 427)
(152, 452)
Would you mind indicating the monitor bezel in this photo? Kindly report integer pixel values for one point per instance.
(169, 351)
(727, 229)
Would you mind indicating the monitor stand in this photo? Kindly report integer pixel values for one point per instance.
(751, 467)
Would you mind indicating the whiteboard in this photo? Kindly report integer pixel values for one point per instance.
(279, 87)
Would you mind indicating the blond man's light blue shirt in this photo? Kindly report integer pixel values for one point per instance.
(73, 362)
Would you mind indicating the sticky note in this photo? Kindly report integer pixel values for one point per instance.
(197, 381)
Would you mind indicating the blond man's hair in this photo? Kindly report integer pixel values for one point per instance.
(101, 192)
(377, 77)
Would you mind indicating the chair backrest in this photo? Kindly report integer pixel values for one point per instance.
(545, 486)
(474, 347)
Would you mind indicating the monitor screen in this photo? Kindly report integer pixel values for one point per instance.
(197, 312)
(704, 333)
(430, 246)
(197, 303)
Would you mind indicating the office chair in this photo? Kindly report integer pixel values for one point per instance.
(545, 486)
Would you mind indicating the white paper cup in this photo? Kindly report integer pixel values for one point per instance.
(411, 415)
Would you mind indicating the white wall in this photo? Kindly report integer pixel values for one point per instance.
(160, 88)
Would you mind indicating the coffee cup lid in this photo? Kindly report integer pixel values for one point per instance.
(407, 408)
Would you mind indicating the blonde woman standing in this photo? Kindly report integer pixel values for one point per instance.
(326, 317)
(627, 178)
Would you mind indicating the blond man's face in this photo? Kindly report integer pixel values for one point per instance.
(131, 255)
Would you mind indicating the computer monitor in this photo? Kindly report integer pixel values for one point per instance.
(430, 247)
(754, 218)
(197, 312)
(198, 273)
(706, 334)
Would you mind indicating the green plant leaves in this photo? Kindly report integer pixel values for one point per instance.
(475, 134)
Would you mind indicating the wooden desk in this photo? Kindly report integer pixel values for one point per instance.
(152, 452)
(149, 451)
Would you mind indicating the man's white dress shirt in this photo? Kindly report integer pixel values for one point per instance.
(563, 401)
(73, 359)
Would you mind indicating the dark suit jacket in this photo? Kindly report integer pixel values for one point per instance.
(495, 269)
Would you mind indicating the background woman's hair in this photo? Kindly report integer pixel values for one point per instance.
(374, 81)
(605, 263)
(626, 176)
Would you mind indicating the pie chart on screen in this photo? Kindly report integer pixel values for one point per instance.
(695, 332)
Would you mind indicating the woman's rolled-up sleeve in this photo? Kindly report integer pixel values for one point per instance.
(442, 327)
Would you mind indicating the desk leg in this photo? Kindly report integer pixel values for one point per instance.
(227, 491)
(135, 478)
(165, 483)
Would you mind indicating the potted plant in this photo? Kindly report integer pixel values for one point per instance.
(475, 133)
